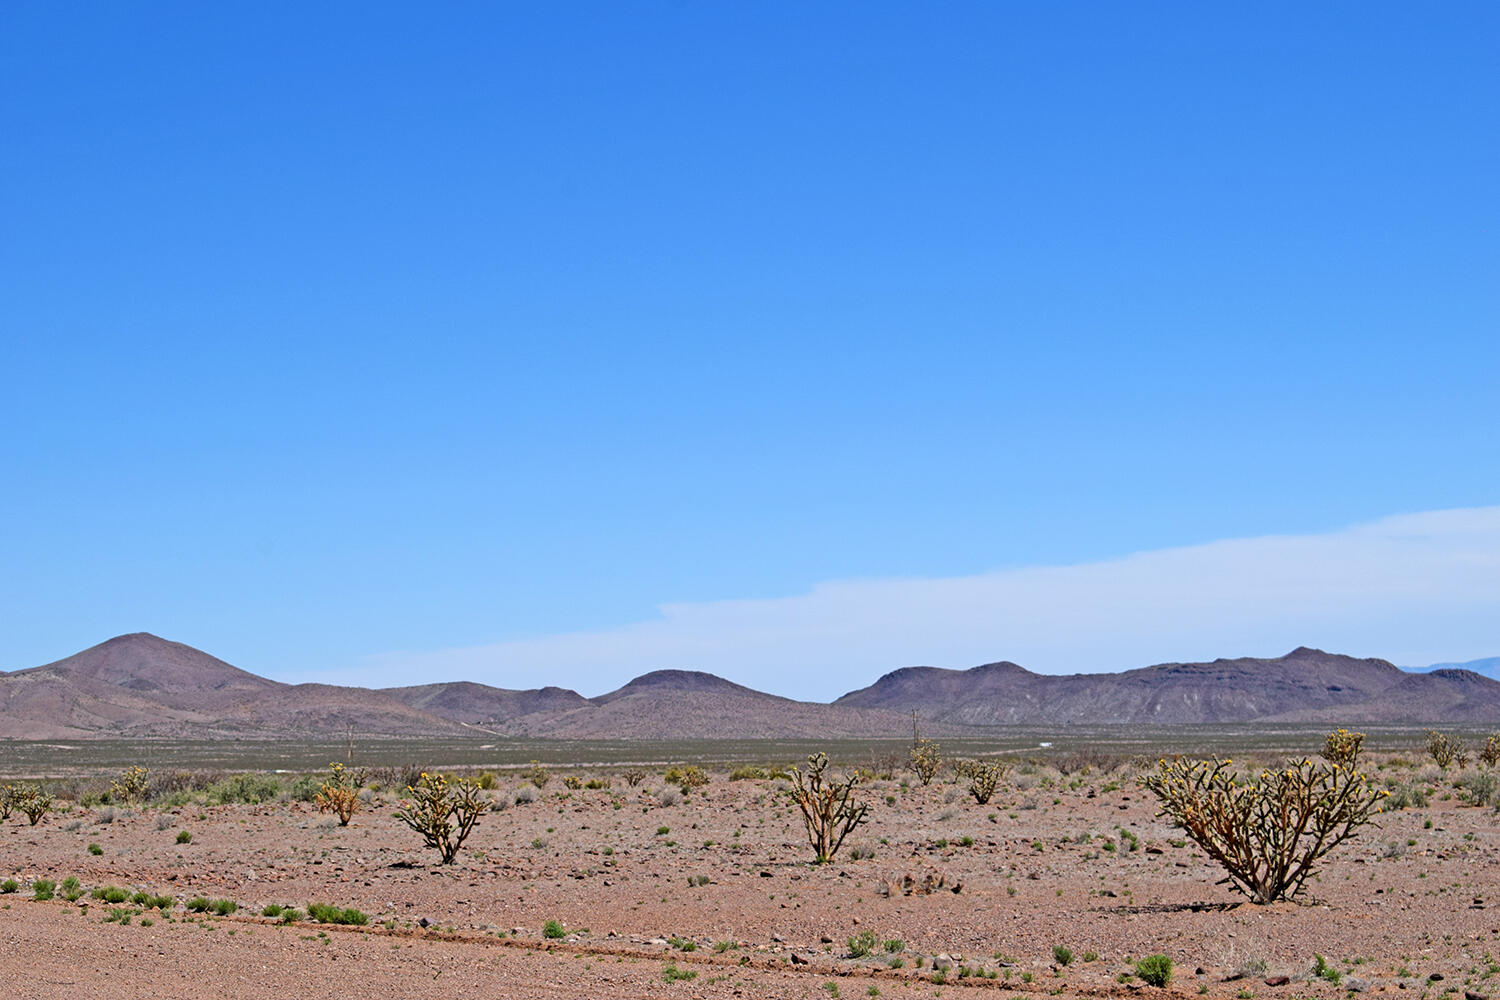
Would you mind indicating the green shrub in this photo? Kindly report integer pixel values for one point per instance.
(95, 850)
(132, 787)
(1154, 970)
(243, 789)
(272, 910)
(1062, 955)
(43, 889)
(554, 929)
(184, 837)
(325, 914)
(671, 973)
(223, 907)
(863, 944)
(197, 904)
(9, 885)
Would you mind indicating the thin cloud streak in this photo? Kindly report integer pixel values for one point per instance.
(1413, 588)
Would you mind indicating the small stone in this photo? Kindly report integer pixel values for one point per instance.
(1471, 995)
(825, 939)
(798, 959)
(1278, 980)
(1357, 985)
(1436, 977)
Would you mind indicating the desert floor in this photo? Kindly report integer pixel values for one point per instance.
(718, 884)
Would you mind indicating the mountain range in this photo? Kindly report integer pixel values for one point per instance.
(143, 685)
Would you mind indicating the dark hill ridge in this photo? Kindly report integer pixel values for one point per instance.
(1306, 684)
(141, 685)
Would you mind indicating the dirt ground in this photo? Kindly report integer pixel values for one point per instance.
(718, 886)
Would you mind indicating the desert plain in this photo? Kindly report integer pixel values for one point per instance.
(642, 891)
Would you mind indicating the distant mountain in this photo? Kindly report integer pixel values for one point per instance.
(142, 685)
(1487, 667)
(1306, 684)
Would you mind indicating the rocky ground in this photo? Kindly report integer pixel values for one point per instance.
(659, 895)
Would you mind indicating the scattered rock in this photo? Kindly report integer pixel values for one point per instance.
(1278, 980)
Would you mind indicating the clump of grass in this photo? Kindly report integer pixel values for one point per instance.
(42, 889)
(95, 850)
(9, 885)
(198, 904)
(71, 890)
(1062, 955)
(223, 907)
(1154, 970)
(553, 929)
(326, 914)
(184, 836)
(862, 944)
(671, 973)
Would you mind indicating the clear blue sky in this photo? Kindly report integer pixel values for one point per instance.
(333, 330)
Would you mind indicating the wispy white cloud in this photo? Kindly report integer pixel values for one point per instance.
(1413, 588)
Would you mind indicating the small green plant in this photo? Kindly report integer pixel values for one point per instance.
(198, 904)
(184, 837)
(95, 850)
(71, 890)
(862, 944)
(223, 907)
(1091, 956)
(9, 885)
(324, 913)
(671, 973)
(1326, 972)
(536, 774)
(272, 910)
(42, 889)
(1154, 970)
(1062, 955)
(553, 930)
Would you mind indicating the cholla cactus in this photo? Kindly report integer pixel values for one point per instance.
(1446, 750)
(443, 811)
(1489, 754)
(1343, 747)
(984, 776)
(925, 759)
(339, 793)
(1270, 830)
(131, 787)
(828, 810)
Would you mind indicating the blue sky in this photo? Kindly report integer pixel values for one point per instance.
(338, 336)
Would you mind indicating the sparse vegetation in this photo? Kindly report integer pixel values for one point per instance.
(1445, 749)
(1343, 747)
(131, 787)
(984, 777)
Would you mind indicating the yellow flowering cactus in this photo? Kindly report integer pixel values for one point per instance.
(1343, 747)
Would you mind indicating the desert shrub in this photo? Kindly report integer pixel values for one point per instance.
(33, 802)
(223, 907)
(8, 797)
(668, 797)
(443, 812)
(184, 836)
(305, 788)
(691, 777)
(1405, 795)
(1154, 970)
(598, 784)
(553, 930)
(572, 782)
(747, 772)
(925, 759)
(487, 780)
(1342, 747)
(1268, 832)
(339, 794)
(829, 812)
(9, 885)
(1478, 788)
(1489, 753)
(132, 786)
(525, 794)
(634, 776)
(245, 789)
(43, 889)
(984, 777)
(323, 913)
(537, 774)
(1445, 749)
(1062, 954)
(863, 944)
